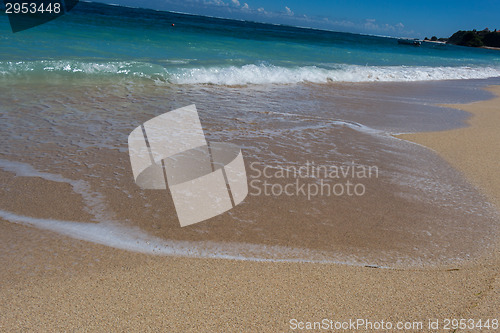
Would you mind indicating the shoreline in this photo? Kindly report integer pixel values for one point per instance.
(490, 47)
(60, 283)
(473, 150)
(479, 133)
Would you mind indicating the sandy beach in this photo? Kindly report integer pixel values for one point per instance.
(54, 283)
(372, 167)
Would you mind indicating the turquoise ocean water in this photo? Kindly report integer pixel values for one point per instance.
(96, 39)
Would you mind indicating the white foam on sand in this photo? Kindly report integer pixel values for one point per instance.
(114, 234)
(94, 201)
(122, 237)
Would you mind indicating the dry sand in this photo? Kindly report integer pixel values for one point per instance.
(57, 283)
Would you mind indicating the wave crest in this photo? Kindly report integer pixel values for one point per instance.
(245, 75)
(265, 74)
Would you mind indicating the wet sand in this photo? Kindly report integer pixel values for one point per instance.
(414, 213)
(473, 150)
(53, 282)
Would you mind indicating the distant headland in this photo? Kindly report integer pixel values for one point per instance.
(473, 38)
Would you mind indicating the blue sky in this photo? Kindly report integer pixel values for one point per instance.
(418, 18)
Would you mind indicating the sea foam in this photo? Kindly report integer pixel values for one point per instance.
(266, 74)
(250, 74)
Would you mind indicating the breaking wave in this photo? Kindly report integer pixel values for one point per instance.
(244, 75)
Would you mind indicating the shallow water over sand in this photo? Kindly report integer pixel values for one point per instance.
(418, 210)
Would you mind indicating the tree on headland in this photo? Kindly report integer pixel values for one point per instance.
(476, 38)
(471, 39)
(492, 39)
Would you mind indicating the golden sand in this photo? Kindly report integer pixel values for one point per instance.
(57, 283)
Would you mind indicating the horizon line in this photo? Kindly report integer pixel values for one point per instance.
(243, 20)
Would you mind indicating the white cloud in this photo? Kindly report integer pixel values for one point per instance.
(215, 2)
(241, 9)
(343, 23)
(373, 26)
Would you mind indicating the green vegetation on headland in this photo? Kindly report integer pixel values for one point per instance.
(473, 38)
